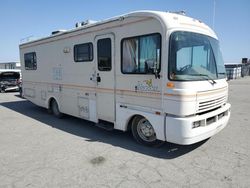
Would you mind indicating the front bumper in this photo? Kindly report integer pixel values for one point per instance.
(182, 130)
(11, 88)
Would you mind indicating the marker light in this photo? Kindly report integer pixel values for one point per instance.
(170, 85)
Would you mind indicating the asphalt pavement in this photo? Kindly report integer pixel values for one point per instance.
(39, 150)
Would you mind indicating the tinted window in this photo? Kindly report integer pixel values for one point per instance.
(30, 61)
(139, 54)
(83, 52)
(104, 54)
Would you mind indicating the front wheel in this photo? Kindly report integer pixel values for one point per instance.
(143, 132)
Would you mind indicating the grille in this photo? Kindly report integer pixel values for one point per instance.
(211, 104)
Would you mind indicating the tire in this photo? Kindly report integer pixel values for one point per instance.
(143, 132)
(55, 109)
(2, 89)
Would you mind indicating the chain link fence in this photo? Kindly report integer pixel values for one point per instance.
(235, 71)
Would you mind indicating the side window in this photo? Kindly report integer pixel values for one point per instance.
(130, 55)
(83, 52)
(104, 54)
(30, 61)
(139, 54)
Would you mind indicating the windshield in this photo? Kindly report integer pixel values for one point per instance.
(4, 76)
(193, 56)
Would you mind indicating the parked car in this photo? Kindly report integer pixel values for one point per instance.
(9, 80)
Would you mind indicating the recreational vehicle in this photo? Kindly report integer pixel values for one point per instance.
(157, 74)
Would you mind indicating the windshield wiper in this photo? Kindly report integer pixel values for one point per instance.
(208, 77)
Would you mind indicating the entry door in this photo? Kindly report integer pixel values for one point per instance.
(105, 77)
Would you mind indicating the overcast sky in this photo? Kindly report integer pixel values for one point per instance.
(23, 18)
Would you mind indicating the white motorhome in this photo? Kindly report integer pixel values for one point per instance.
(158, 74)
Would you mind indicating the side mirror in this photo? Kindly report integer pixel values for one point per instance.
(156, 70)
(152, 67)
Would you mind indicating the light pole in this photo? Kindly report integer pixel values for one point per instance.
(214, 14)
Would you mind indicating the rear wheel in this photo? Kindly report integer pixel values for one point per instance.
(55, 109)
(143, 132)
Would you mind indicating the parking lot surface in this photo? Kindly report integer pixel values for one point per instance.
(39, 150)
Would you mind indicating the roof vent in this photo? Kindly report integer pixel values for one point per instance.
(87, 22)
(182, 12)
(58, 31)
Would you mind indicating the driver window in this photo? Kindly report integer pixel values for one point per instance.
(140, 54)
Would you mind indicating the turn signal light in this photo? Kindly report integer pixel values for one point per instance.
(170, 85)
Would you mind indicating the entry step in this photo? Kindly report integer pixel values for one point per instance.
(105, 125)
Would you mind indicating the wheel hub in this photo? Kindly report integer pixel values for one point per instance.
(146, 130)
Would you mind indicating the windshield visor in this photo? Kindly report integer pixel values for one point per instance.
(193, 56)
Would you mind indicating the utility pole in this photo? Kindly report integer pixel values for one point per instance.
(214, 14)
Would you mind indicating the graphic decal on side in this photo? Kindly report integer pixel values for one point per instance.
(146, 85)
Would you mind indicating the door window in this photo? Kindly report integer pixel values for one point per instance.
(104, 54)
